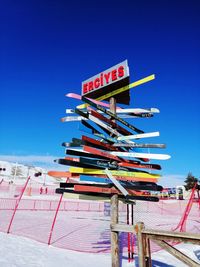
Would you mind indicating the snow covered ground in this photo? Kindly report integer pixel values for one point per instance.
(18, 251)
(22, 252)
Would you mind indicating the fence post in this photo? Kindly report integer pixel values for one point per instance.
(144, 252)
(17, 204)
(54, 220)
(141, 250)
(114, 235)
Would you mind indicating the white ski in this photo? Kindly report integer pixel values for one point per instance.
(78, 118)
(141, 155)
(116, 183)
(137, 136)
(72, 118)
(128, 110)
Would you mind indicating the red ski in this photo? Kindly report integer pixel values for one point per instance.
(101, 153)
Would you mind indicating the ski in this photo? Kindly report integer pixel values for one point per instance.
(138, 136)
(107, 195)
(81, 153)
(138, 145)
(141, 155)
(90, 163)
(102, 178)
(98, 152)
(128, 115)
(91, 142)
(127, 111)
(79, 164)
(147, 186)
(112, 115)
(119, 165)
(114, 172)
(93, 178)
(140, 165)
(101, 164)
(97, 189)
(72, 118)
(71, 144)
(117, 184)
(121, 116)
(106, 190)
(61, 174)
(78, 97)
(120, 90)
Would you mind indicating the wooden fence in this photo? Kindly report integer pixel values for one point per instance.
(159, 237)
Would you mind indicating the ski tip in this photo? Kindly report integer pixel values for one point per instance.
(68, 95)
(155, 110)
(82, 106)
(73, 95)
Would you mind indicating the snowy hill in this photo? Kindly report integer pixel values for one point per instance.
(18, 173)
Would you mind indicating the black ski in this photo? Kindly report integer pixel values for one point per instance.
(71, 144)
(107, 164)
(147, 186)
(73, 163)
(102, 164)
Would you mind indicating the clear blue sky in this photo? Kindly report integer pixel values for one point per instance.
(47, 48)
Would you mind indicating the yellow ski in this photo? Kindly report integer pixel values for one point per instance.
(122, 89)
(113, 172)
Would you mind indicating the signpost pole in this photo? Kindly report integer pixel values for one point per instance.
(114, 211)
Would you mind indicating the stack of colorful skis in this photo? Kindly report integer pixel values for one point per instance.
(109, 161)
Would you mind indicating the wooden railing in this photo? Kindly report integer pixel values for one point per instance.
(159, 237)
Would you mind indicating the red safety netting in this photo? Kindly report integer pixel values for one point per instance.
(85, 225)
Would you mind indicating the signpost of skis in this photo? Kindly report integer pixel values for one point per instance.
(112, 157)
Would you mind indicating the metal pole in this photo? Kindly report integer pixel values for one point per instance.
(17, 204)
(54, 220)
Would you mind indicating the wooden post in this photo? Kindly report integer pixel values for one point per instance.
(140, 241)
(114, 235)
(144, 253)
(114, 211)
